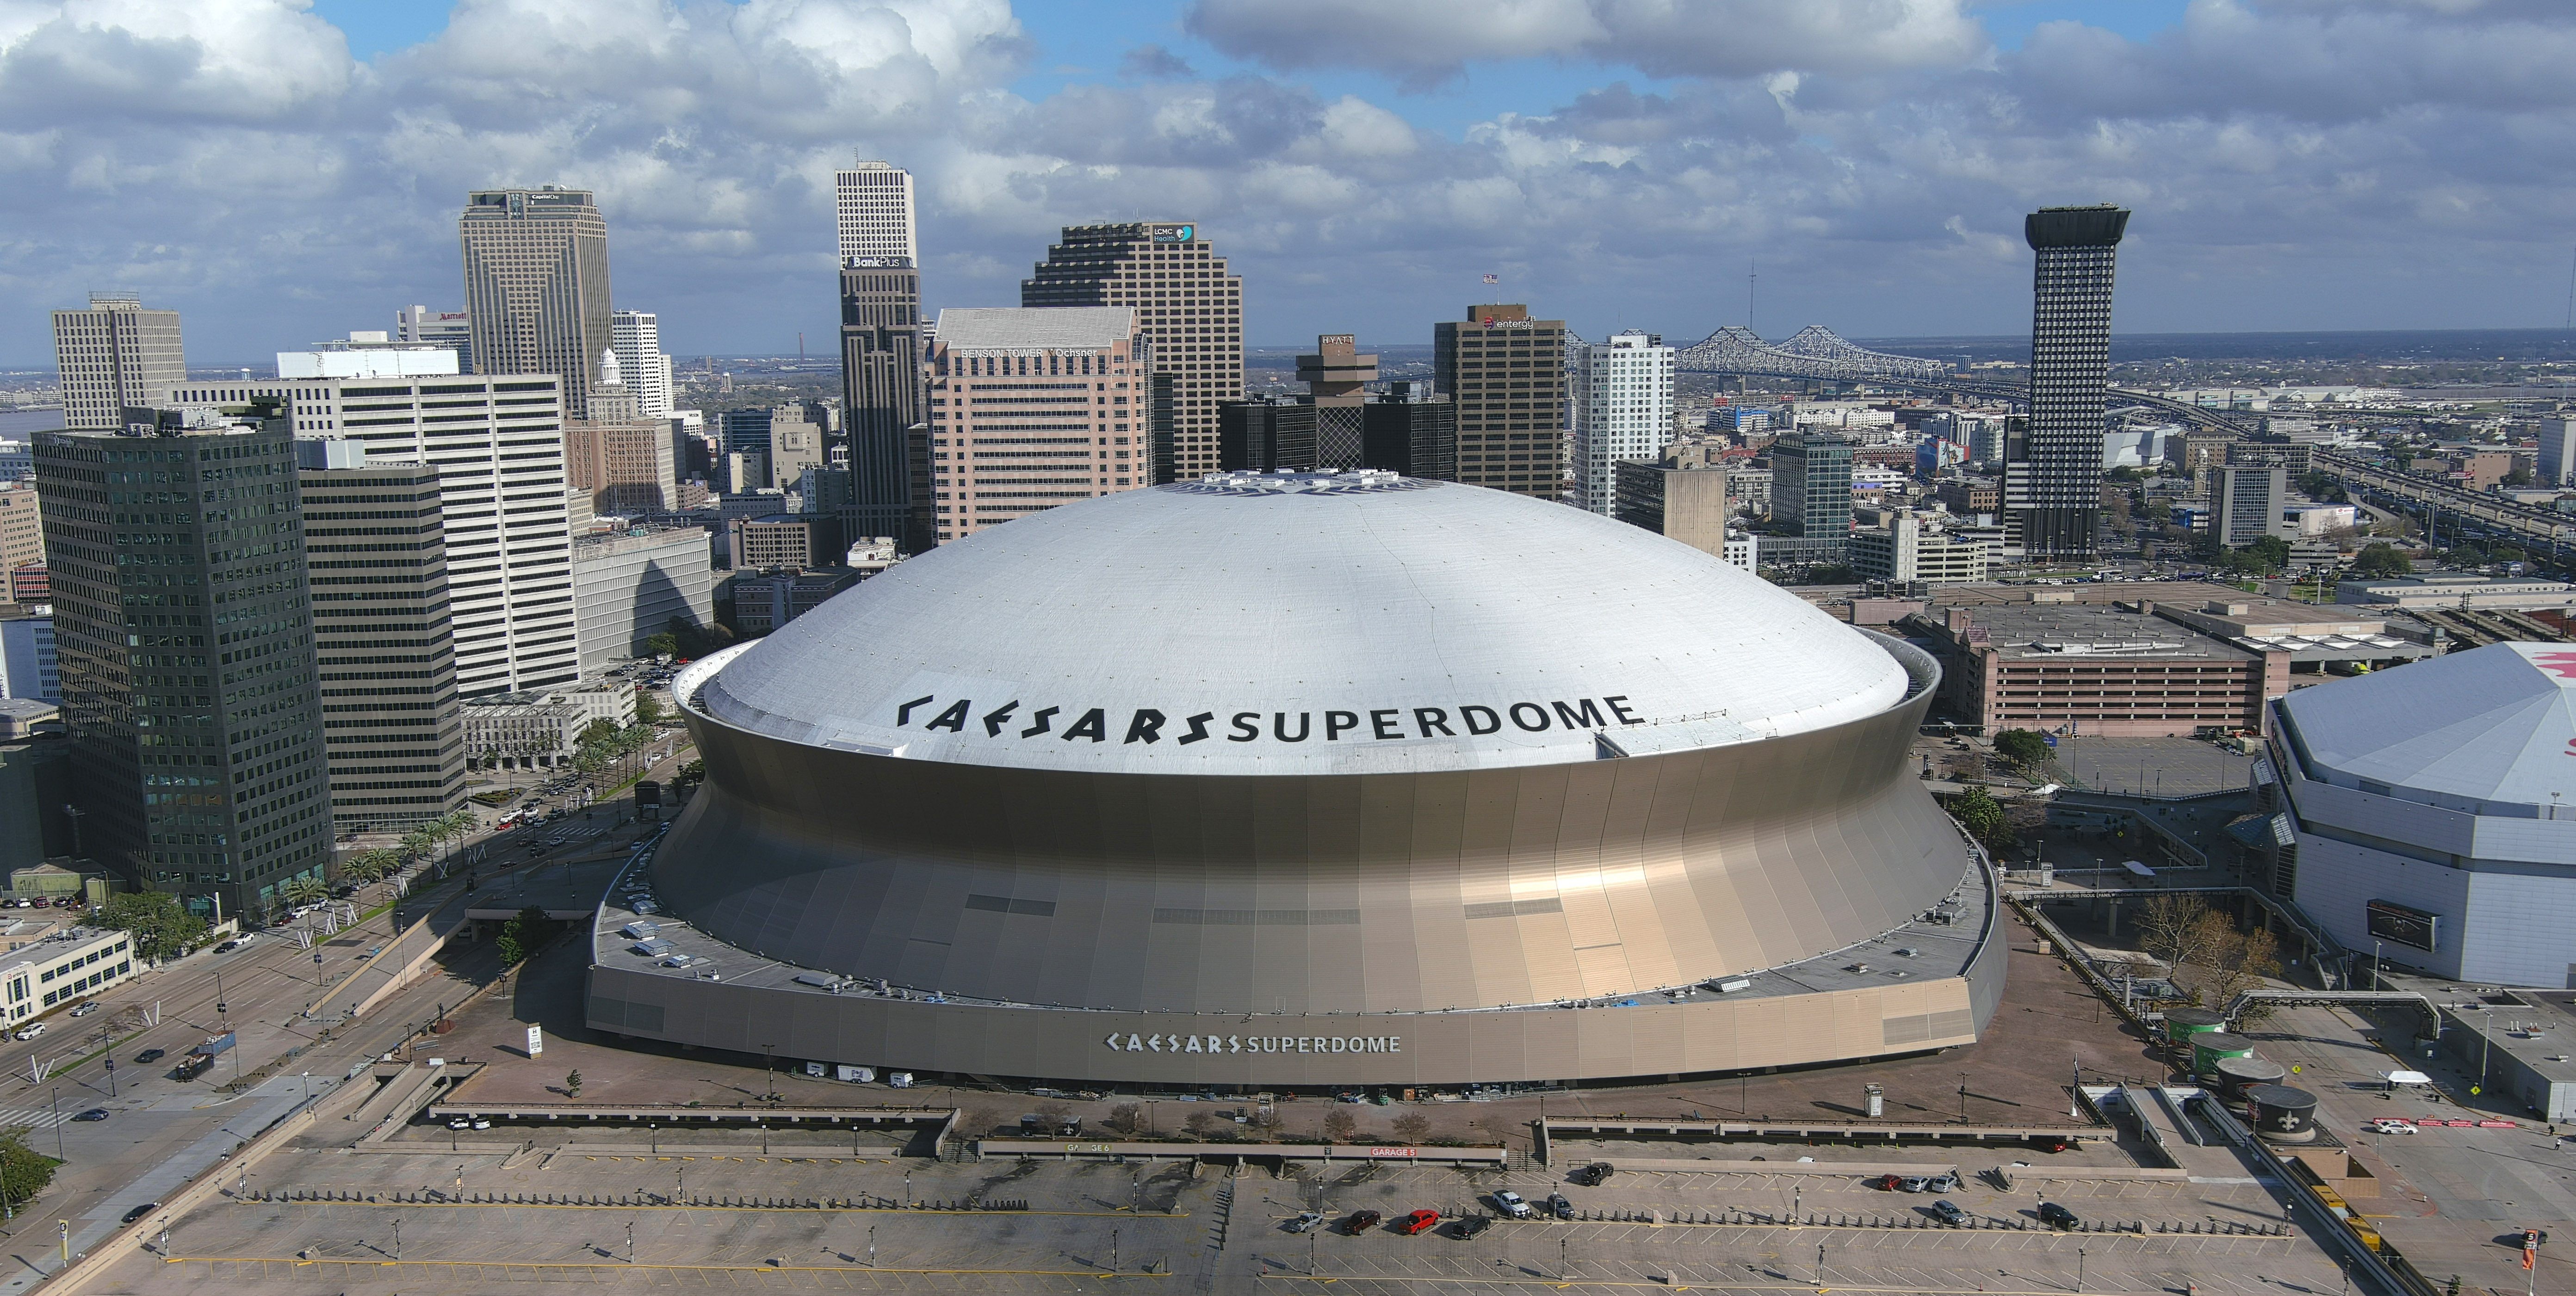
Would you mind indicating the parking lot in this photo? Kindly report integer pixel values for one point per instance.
(1160, 1223)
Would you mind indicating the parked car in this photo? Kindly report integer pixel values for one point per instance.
(1593, 1175)
(1941, 1183)
(1471, 1225)
(1417, 1221)
(2056, 1216)
(1361, 1222)
(1885, 1182)
(1914, 1184)
(1512, 1204)
(1950, 1212)
(31, 1030)
(93, 1114)
(1305, 1222)
(1559, 1207)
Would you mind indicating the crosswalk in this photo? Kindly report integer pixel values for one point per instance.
(34, 1117)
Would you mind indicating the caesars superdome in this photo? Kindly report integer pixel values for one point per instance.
(1310, 779)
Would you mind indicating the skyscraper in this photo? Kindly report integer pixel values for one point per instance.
(377, 552)
(184, 628)
(1506, 374)
(636, 338)
(536, 286)
(887, 440)
(1185, 302)
(2053, 468)
(1069, 422)
(1623, 409)
(115, 355)
(874, 202)
(498, 445)
(1811, 485)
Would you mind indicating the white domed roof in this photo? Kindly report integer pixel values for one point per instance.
(1303, 624)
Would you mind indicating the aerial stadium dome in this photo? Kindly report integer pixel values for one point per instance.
(1311, 779)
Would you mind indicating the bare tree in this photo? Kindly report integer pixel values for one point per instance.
(1340, 1126)
(1412, 1127)
(1124, 1118)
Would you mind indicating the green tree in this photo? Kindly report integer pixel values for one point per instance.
(664, 644)
(1983, 817)
(648, 709)
(370, 865)
(2380, 558)
(600, 731)
(2518, 477)
(162, 928)
(304, 890)
(24, 1172)
(522, 934)
(572, 1085)
(2022, 746)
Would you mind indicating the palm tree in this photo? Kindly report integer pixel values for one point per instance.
(304, 890)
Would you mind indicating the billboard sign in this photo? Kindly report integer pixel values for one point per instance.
(2397, 923)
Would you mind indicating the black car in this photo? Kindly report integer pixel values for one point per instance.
(2056, 1216)
(141, 1211)
(1361, 1222)
(147, 1057)
(1591, 1176)
(1559, 1207)
(93, 1114)
(1471, 1225)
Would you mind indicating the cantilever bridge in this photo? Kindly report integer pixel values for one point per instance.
(1814, 352)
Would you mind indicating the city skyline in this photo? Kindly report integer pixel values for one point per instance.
(1869, 174)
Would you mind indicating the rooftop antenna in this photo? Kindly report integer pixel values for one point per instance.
(2571, 296)
(1749, 277)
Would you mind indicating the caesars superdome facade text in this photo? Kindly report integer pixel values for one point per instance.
(1310, 779)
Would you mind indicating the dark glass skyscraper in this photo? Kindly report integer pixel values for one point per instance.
(882, 423)
(185, 626)
(2053, 464)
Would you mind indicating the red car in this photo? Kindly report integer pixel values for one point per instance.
(1884, 1183)
(1417, 1221)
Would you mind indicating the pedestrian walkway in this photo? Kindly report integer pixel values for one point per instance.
(34, 1117)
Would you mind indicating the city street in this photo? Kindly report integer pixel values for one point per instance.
(161, 1131)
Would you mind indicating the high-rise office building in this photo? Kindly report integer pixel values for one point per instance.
(886, 439)
(1186, 304)
(1505, 372)
(1066, 419)
(536, 286)
(2053, 467)
(2250, 501)
(1811, 483)
(630, 585)
(1335, 425)
(2556, 464)
(1623, 409)
(422, 326)
(22, 533)
(635, 337)
(873, 200)
(498, 445)
(184, 626)
(385, 636)
(739, 430)
(114, 356)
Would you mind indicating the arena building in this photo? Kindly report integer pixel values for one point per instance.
(1262, 781)
(2419, 811)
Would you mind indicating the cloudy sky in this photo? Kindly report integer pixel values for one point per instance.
(287, 170)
